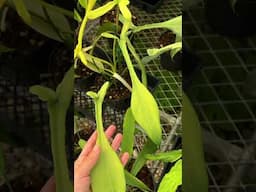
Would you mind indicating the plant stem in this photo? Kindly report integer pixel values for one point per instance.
(81, 32)
(136, 56)
(57, 124)
(114, 44)
(123, 81)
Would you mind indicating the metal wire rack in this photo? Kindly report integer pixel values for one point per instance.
(24, 116)
(167, 93)
(227, 115)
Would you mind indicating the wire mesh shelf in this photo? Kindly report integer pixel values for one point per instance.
(23, 116)
(167, 93)
(226, 113)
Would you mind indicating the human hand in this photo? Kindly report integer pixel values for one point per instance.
(88, 159)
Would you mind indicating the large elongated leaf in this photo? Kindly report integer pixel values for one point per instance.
(194, 168)
(108, 174)
(172, 180)
(143, 104)
(22, 10)
(145, 111)
(128, 132)
(135, 182)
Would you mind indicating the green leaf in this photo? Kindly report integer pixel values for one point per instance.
(65, 89)
(77, 17)
(135, 182)
(170, 156)
(90, 64)
(44, 93)
(22, 11)
(83, 3)
(90, 5)
(101, 10)
(108, 174)
(81, 143)
(174, 24)
(124, 9)
(175, 50)
(173, 179)
(194, 169)
(60, 22)
(149, 147)
(40, 20)
(145, 111)
(154, 53)
(109, 165)
(128, 132)
(109, 35)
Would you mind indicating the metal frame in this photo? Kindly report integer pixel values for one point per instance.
(229, 139)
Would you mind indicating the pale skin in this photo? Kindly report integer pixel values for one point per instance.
(87, 160)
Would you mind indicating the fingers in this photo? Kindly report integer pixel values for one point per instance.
(88, 148)
(110, 131)
(89, 162)
(117, 141)
(124, 158)
(49, 186)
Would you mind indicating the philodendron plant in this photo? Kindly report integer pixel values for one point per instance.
(141, 99)
(110, 178)
(143, 109)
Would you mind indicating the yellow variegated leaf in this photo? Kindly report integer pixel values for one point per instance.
(124, 10)
(101, 10)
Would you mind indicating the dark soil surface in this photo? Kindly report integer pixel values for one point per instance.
(111, 17)
(167, 38)
(26, 170)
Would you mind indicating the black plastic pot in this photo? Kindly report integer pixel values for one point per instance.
(166, 60)
(169, 63)
(228, 22)
(148, 5)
